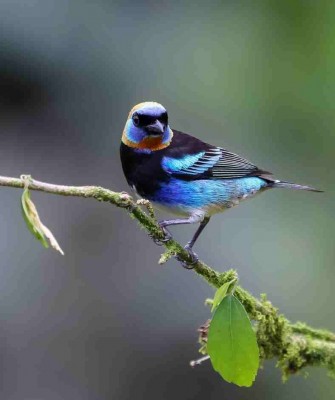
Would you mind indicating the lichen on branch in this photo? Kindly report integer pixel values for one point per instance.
(295, 346)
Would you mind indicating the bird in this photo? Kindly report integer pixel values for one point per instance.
(182, 174)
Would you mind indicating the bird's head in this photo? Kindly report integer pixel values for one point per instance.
(147, 127)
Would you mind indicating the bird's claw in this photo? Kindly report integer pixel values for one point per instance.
(193, 257)
(160, 242)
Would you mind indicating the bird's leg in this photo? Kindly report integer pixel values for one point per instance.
(182, 221)
(190, 244)
(167, 222)
(163, 224)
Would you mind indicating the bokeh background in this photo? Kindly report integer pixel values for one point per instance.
(105, 321)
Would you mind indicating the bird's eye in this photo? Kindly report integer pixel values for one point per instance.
(136, 119)
(164, 118)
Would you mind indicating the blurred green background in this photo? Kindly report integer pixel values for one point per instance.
(105, 322)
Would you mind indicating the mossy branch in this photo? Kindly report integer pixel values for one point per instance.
(294, 345)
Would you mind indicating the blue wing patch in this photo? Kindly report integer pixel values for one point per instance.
(194, 164)
(216, 163)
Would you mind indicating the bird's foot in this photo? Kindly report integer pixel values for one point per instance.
(167, 237)
(192, 256)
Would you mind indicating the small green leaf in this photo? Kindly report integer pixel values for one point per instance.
(232, 344)
(220, 294)
(29, 214)
(34, 224)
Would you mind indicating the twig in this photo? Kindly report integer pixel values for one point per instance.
(199, 361)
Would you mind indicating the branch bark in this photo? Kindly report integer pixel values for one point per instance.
(294, 345)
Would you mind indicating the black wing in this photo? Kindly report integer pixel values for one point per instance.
(190, 158)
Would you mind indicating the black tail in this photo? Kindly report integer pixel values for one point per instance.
(288, 185)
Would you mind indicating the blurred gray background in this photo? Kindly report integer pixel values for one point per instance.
(105, 321)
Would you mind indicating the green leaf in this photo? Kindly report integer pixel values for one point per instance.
(232, 344)
(29, 216)
(34, 224)
(220, 294)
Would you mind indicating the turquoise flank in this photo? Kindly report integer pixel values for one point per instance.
(208, 196)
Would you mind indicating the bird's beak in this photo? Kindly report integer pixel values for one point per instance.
(157, 128)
